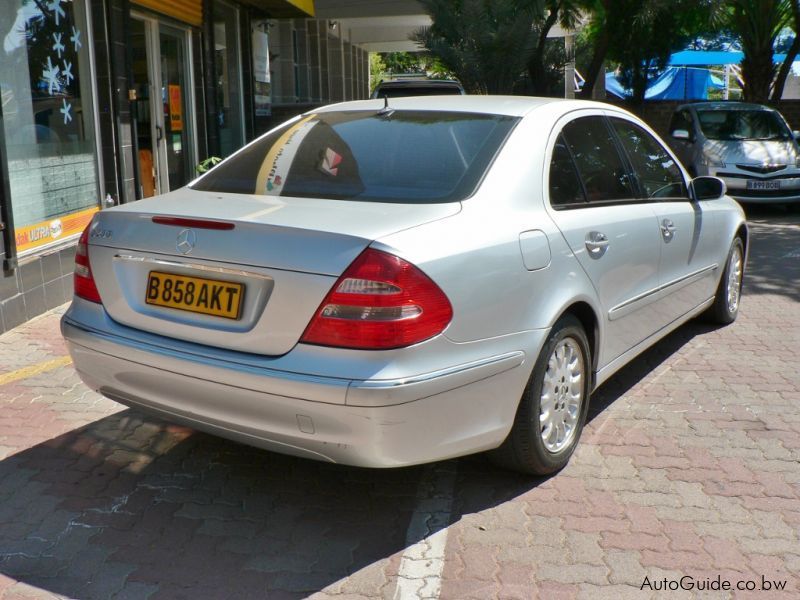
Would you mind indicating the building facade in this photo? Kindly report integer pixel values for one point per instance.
(111, 101)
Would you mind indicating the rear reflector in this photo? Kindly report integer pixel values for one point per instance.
(84, 285)
(196, 223)
(380, 302)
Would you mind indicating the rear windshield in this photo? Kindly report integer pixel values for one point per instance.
(731, 125)
(394, 156)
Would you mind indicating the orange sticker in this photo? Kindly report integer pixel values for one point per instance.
(175, 108)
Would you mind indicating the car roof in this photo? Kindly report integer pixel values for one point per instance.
(514, 106)
(725, 106)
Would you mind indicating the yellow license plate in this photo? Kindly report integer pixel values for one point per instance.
(195, 294)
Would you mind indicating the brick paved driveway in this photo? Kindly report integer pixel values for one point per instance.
(689, 467)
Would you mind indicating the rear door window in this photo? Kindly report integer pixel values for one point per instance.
(655, 170)
(565, 186)
(375, 156)
(602, 170)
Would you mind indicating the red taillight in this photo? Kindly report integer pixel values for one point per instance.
(381, 301)
(84, 281)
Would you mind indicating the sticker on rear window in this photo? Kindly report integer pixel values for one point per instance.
(330, 162)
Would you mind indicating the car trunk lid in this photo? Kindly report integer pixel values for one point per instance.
(282, 255)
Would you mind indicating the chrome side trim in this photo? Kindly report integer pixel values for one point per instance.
(314, 388)
(384, 392)
(190, 266)
(625, 358)
(637, 302)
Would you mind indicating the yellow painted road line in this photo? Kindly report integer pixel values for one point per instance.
(38, 369)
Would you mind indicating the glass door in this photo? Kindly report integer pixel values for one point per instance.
(163, 121)
(145, 126)
(229, 79)
(177, 161)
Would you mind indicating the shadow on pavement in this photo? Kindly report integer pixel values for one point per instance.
(138, 505)
(774, 262)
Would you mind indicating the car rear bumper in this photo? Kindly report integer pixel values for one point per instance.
(386, 423)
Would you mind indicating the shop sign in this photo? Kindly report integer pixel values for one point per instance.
(261, 56)
(46, 232)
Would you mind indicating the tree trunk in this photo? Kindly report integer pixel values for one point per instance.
(786, 66)
(794, 49)
(758, 71)
(536, 70)
(598, 57)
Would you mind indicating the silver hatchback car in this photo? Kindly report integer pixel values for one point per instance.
(749, 146)
(390, 283)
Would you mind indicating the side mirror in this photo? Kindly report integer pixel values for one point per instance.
(708, 188)
(796, 134)
(681, 134)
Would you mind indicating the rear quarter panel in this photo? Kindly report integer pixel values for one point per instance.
(475, 256)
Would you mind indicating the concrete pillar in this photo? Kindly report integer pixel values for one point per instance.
(347, 80)
(363, 84)
(314, 60)
(324, 55)
(302, 74)
(336, 68)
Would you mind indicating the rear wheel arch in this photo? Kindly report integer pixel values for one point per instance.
(587, 316)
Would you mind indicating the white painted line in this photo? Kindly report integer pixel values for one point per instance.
(420, 573)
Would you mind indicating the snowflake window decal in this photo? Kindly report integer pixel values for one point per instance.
(50, 76)
(58, 47)
(75, 38)
(66, 107)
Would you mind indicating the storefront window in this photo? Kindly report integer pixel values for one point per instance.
(48, 119)
(229, 99)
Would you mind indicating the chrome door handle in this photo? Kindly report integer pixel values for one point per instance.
(596, 243)
(667, 230)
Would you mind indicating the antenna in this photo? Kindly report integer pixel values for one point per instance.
(386, 110)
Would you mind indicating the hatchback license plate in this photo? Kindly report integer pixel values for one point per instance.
(195, 294)
(756, 184)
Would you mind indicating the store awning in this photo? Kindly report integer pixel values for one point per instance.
(285, 9)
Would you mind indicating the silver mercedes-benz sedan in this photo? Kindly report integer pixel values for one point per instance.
(392, 282)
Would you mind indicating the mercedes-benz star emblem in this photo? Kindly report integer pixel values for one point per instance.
(186, 241)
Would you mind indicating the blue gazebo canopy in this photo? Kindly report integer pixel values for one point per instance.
(693, 58)
(675, 83)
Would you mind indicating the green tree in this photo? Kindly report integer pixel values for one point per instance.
(486, 44)
(791, 52)
(640, 36)
(404, 62)
(377, 70)
(544, 61)
(758, 24)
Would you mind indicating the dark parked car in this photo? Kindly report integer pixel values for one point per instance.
(417, 87)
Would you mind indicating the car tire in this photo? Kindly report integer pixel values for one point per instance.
(728, 298)
(551, 414)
